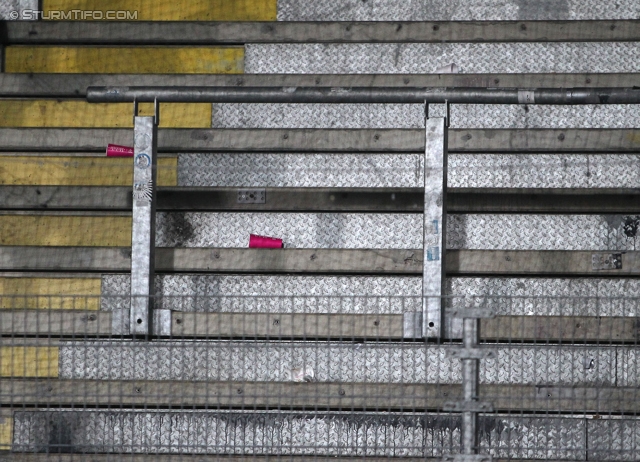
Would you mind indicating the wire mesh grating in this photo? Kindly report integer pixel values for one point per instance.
(322, 376)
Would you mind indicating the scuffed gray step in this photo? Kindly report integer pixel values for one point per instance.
(397, 231)
(338, 362)
(245, 115)
(421, 58)
(285, 433)
(406, 170)
(434, 10)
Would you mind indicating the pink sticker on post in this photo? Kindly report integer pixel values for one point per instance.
(264, 242)
(115, 150)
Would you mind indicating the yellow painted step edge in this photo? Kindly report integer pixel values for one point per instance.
(124, 59)
(161, 10)
(81, 114)
(65, 230)
(50, 293)
(79, 171)
(6, 429)
(29, 361)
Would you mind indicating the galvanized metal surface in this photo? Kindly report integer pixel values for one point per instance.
(434, 226)
(334, 362)
(372, 294)
(363, 95)
(433, 10)
(332, 433)
(397, 231)
(280, 115)
(427, 58)
(406, 170)
(143, 226)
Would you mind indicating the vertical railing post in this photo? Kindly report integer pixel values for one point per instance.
(470, 379)
(470, 355)
(435, 185)
(143, 224)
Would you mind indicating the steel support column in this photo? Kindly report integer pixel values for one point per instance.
(435, 179)
(144, 224)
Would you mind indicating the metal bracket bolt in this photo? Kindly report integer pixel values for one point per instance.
(252, 196)
(606, 261)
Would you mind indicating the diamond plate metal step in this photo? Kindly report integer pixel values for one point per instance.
(371, 294)
(433, 10)
(406, 170)
(397, 231)
(387, 58)
(245, 115)
(339, 362)
(285, 433)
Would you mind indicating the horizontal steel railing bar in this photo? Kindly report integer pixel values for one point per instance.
(310, 395)
(368, 95)
(459, 200)
(200, 32)
(185, 325)
(75, 85)
(341, 261)
(326, 140)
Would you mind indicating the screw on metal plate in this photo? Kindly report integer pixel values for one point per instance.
(606, 261)
(467, 406)
(472, 313)
(467, 458)
(471, 353)
(252, 196)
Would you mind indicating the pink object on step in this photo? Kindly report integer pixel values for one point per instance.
(264, 242)
(115, 150)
